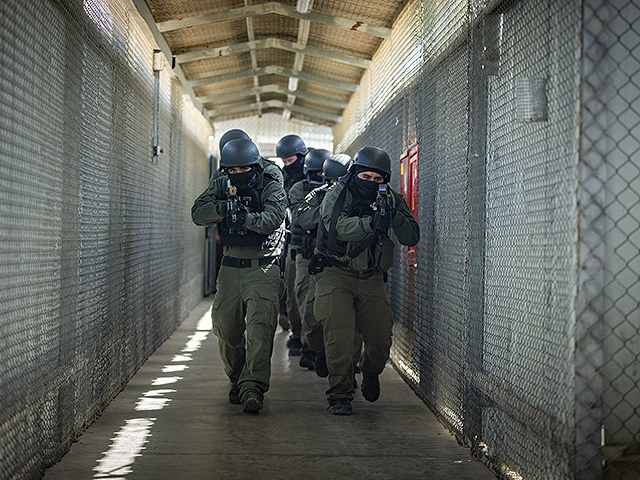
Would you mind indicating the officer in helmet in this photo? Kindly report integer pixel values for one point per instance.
(234, 134)
(312, 170)
(292, 150)
(353, 253)
(308, 215)
(251, 206)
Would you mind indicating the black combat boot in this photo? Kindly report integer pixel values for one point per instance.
(252, 402)
(340, 406)
(308, 358)
(370, 387)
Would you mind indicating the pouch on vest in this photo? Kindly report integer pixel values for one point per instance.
(384, 253)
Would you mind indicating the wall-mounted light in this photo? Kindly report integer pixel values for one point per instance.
(159, 63)
(303, 6)
(293, 83)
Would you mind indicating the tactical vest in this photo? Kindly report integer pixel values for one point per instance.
(327, 240)
(333, 248)
(298, 233)
(252, 200)
(311, 236)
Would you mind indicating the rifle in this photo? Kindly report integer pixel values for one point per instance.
(234, 207)
(382, 202)
(382, 205)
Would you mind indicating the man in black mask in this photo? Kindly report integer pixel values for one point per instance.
(299, 236)
(352, 256)
(292, 150)
(251, 206)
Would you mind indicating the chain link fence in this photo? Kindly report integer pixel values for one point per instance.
(520, 326)
(99, 261)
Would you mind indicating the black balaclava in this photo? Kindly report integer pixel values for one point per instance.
(295, 169)
(315, 178)
(244, 180)
(366, 190)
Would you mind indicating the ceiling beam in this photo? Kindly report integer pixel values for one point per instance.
(298, 62)
(332, 21)
(146, 14)
(274, 70)
(274, 104)
(237, 48)
(249, 92)
(254, 61)
(277, 8)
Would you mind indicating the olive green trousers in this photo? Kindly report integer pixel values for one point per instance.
(293, 313)
(246, 342)
(348, 303)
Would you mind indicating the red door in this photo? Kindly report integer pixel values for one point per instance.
(409, 190)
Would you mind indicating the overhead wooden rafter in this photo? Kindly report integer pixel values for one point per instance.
(277, 8)
(238, 48)
(236, 70)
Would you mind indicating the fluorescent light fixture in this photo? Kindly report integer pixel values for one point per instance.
(303, 6)
(293, 83)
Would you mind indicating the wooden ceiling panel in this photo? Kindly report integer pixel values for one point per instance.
(379, 12)
(238, 66)
(164, 10)
(223, 87)
(207, 36)
(216, 66)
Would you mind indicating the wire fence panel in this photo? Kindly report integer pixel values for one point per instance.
(519, 327)
(608, 329)
(99, 261)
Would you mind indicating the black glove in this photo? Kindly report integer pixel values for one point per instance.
(380, 222)
(240, 214)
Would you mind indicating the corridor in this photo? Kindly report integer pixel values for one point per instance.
(173, 421)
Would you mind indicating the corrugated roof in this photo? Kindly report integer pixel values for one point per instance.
(239, 56)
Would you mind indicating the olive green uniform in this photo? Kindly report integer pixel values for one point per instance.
(352, 295)
(293, 308)
(297, 195)
(249, 282)
(308, 215)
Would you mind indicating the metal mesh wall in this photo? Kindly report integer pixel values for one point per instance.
(99, 261)
(608, 327)
(519, 326)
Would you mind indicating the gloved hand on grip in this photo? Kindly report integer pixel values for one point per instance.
(236, 215)
(380, 221)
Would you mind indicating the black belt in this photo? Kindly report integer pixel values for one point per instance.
(248, 262)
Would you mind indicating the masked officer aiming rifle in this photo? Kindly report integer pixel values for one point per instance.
(292, 150)
(353, 254)
(251, 205)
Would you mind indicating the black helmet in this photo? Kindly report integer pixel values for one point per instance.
(373, 158)
(314, 160)
(239, 153)
(232, 135)
(290, 145)
(335, 166)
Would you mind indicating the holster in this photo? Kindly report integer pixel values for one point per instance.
(317, 263)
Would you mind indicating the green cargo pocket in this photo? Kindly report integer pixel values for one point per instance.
(322, 303)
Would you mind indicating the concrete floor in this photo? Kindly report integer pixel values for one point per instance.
(173, 421)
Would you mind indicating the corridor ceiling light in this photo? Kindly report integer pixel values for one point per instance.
(303, 6)
(293, 83)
